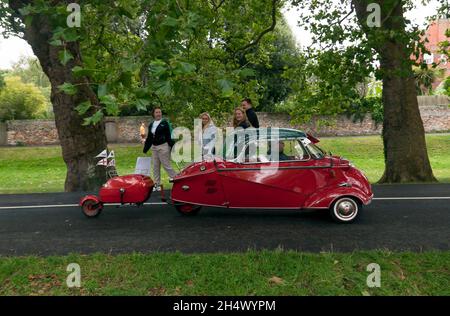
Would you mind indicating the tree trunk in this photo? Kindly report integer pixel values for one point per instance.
(80, 144)
(405, 150)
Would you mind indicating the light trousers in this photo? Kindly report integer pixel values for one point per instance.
(161, 156)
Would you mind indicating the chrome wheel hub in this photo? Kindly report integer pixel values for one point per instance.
(346, 208)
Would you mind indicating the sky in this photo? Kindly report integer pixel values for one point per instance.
(418, 16)
(13, 48)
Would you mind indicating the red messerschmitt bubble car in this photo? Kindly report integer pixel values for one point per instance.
(258, 169)
(273, 169)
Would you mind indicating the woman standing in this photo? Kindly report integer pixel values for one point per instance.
(159, 140)
(208, 136)
(240, 119)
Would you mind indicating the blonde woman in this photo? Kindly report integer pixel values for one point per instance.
(240, 119)
(208, 135)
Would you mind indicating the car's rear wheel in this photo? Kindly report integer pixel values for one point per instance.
(91, 208)
(345, 209)
(188, 209)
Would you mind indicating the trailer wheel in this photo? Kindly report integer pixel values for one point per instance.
(188, 209)
(91, 208)
(345, 209)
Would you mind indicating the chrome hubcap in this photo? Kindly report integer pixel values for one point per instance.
(346, 208)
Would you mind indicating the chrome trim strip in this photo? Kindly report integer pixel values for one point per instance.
(271, 168)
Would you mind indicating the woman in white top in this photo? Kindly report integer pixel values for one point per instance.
(208, 136)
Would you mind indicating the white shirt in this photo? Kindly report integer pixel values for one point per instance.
(208, 140)
(155, 126)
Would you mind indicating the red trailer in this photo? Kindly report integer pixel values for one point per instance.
(129, 189)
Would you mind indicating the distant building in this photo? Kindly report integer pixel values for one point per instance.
(435, 34)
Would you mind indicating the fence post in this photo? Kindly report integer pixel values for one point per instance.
(3, 134)
(111, 130)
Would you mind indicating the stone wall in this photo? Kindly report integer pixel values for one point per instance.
(32, 132)
(325, 126)
(436, 118)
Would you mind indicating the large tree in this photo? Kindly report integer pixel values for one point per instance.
(376, 34)
(405, 149)
(80, 142)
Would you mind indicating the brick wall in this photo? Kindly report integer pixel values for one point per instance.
(436, 118)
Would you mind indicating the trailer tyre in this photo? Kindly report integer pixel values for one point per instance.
(188, 209)
(91, 208)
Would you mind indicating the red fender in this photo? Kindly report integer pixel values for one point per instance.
(325, 197)
(89, 197)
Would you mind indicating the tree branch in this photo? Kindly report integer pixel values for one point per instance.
(215, 5)
(264, 32)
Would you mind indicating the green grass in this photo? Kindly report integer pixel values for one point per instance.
(41, 169)
(250, 273)
(366, 152)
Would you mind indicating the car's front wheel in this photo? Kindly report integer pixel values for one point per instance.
(188, 209)
(345, 209)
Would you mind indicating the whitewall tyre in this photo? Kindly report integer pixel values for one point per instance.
(345, 209)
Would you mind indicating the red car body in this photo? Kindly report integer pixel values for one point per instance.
(309, 183)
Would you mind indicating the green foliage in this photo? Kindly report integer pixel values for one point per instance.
(65, 56)
(425, 77)
(184, 55)
(83, 107)
(443, 88)
(2, 80)
(189, 56)
(269, 63)
(68, 88)
(20, 100)
(345, 54)
(328, 86)
(30, 71)
(374, 88)
(369, 105)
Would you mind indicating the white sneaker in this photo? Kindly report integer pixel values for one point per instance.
(156, 188)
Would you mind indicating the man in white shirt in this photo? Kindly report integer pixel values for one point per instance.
(160, 141)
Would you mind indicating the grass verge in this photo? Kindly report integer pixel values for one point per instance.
(250, 273)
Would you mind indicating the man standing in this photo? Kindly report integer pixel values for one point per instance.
(251, 115)
(160, 141)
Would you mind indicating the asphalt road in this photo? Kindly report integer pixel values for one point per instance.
(405, 217)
